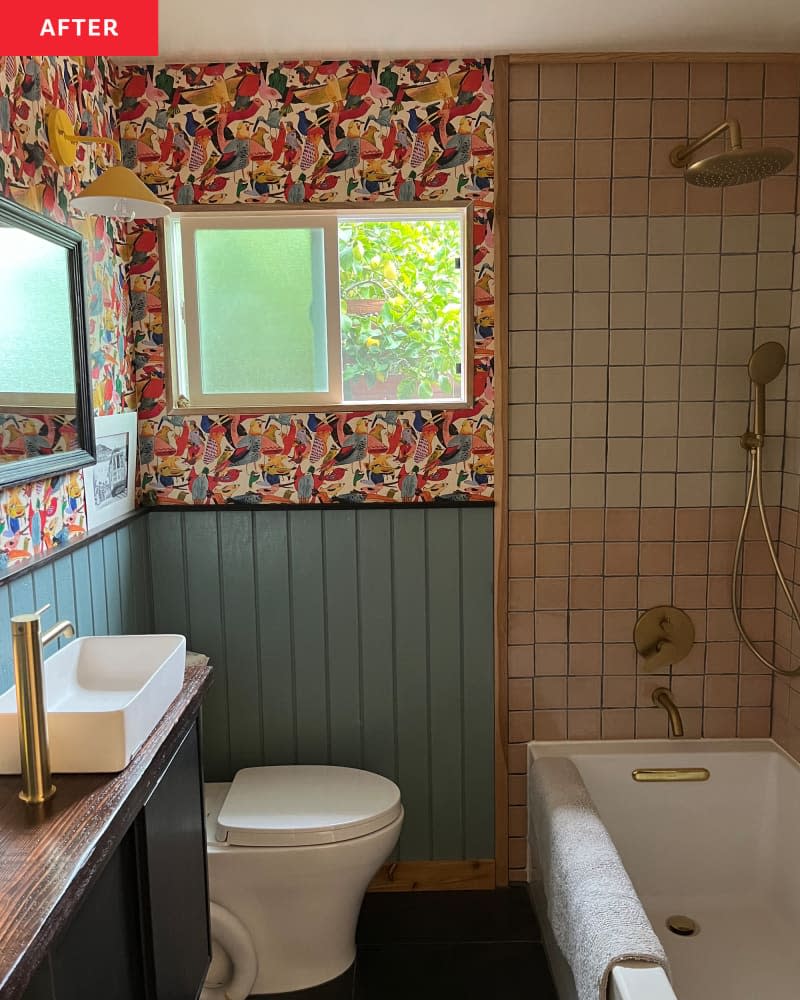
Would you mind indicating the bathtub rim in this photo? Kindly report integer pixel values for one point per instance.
(762, 746)
(628, 980)
(662, 745)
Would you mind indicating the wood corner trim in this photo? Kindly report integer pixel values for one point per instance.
(501, 474)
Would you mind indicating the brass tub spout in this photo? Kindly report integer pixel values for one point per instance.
(662, 697)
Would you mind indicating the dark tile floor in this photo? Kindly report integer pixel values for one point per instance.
(464, 945)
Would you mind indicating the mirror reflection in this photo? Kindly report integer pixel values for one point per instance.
(25, 435)
(37, 371)
(43, 379)
(36, 325)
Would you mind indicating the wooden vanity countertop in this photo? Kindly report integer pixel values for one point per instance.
(50, 855)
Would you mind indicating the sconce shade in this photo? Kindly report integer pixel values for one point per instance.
(118, 192)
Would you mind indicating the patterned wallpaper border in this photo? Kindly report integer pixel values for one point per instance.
(261, 133)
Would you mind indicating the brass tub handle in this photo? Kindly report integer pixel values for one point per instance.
(671, 774)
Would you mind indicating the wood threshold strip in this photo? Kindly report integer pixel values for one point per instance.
(430, 876)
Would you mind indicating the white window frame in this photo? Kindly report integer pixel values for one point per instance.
(38, 402)
(185, 392)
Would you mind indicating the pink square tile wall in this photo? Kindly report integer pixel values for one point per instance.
(635, 302)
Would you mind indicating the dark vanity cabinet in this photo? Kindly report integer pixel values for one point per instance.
(175, 885)
(97, 953)
(141, 931)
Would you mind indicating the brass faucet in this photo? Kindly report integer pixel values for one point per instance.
(28, 646)
(662, 697)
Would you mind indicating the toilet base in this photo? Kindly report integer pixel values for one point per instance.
(234, 965)
(300, 905)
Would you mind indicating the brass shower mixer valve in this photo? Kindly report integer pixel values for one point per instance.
(750, 441)
(662, 636)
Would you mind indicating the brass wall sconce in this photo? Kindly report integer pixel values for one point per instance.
(662, 636)
(735, 165)
(117, 192)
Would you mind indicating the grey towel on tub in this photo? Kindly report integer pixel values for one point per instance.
(597, 918)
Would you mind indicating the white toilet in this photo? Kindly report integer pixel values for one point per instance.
(291, 851)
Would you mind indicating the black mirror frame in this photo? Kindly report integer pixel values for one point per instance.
(47, 466)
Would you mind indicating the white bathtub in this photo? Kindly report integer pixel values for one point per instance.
(723, 852)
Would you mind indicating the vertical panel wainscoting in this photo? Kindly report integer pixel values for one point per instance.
(358, 638)
(102, 585)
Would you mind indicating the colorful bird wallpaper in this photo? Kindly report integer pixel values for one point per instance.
(294, 132)
(38, 516)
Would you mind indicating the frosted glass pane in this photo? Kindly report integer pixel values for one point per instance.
(35, 316)
(261, 307)
(401, 308)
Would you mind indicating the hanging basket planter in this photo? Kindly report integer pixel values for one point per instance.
(364, 307)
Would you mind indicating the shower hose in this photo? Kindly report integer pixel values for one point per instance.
(755, 486)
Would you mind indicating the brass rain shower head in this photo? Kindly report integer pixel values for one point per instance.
(734, 165)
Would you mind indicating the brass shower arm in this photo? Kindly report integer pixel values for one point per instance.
(679, 156)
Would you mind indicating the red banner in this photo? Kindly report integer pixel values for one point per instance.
(81, 28)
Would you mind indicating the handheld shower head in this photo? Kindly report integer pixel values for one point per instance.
(765, 364)
(734, 165)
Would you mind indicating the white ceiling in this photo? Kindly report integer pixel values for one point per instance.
(260, 29)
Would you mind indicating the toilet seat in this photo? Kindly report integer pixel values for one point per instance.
(303, 805)
(230, 934)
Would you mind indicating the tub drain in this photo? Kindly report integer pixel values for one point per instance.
(682, 925)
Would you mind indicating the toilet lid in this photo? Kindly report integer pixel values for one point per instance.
(302, 805)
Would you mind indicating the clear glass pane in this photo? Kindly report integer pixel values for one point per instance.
(401, 308)
(35, 316)
(261, 306)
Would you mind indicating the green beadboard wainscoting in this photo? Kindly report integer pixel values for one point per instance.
(352, 637)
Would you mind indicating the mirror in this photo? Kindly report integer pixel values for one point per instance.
(46, 420)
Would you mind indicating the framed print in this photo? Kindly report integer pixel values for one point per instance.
(110, 482)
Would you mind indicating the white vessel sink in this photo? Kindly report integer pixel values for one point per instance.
(104, 696)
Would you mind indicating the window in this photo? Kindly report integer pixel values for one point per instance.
(314, 308)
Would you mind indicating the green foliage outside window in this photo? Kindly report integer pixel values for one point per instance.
(400, 284)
